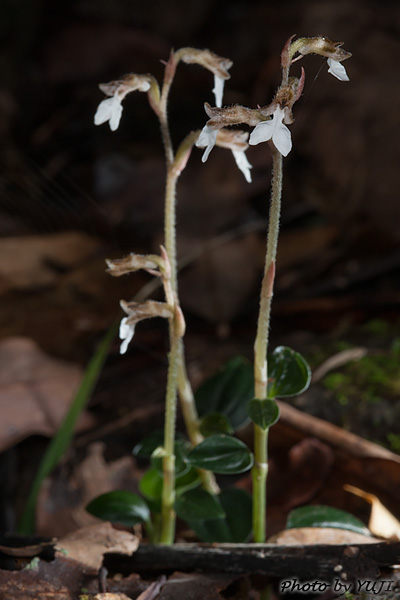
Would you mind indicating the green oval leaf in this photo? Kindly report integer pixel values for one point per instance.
(198, 504)
(227, 392)
(236, 527)
(120, 507)
(213, 424)
(151, 484)
(146, 446)
(221, 454)
(325, 516)
(288, 373)
(181, 448)
(263, 413)
(187, 481)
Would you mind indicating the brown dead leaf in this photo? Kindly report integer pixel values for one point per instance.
(60, 579)
(298, 475)
(62, 502)
(302, 536)
(381, 521)
(89, 544)
(35, 391)
(32, 262)
(105, 596)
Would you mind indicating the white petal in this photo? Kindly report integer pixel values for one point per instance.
(243, 163)
(207, 139)
(126, 334)
(261, 132)
(218, 90)
(110, 110)
(282, 139)
(337, 70)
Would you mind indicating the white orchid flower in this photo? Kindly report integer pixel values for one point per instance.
(236, 141)
(126, 333)
(274, 130)
(337, 70)
(110, 110)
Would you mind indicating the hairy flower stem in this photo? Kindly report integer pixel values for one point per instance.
(260, 468)
(177, 376)
(168, 492)
(185, 391)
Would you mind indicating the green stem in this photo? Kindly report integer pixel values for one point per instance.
(260, 468)
(259, 474)
(168, 492)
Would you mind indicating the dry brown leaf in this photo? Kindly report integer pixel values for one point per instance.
(59, 579)
(33, 261)
(35, 391)
(89, 544)
(105, 596)
(320, 535)
(381, 521)
(62, 502)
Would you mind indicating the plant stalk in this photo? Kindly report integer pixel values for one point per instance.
(260, 468)
(168, 492)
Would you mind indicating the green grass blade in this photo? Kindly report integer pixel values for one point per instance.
(60, 442)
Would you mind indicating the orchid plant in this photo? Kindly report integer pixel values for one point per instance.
(181, 478)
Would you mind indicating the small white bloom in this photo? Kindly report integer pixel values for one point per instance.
(243, 163)
(110, 110)
(218, 90)
(207, 139)
(126, 334)
(337, 70)
(274, 130)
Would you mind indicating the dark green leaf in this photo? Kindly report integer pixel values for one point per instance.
(325, 516)
(221, 454)
(151, 484)
(187, 481)
(120, 507)
(288, 373)
(214, 423)
(198, 504)
(227, 392)
(263, 413)
(236, 527)
(146, 446)
(181, 450)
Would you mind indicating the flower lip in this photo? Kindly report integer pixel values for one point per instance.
(274, 130)
(126, 333)
(337, 70)
(110, 110)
